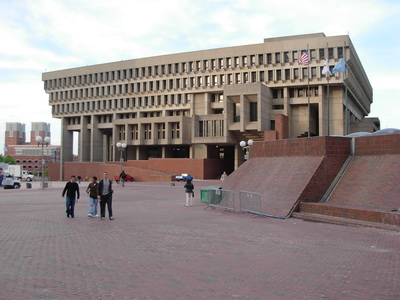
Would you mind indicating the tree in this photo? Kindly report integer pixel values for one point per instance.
(9, 160)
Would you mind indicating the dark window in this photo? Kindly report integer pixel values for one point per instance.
(287, 74)
(253, 112)
(261, 59)
(270, 75)
(330, 53)
(340, 52)
(278, 74)
(321, 53)
(313, 72)
(269, 58)
(277, 58)
(286, 57)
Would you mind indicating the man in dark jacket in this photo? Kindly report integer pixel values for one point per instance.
(104, 193)
(72, 190)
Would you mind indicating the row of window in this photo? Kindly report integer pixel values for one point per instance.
(151, 101)
(191, 82)
(160, 131)
(123, 103)
(195, 66)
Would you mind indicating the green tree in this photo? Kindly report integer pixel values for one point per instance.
(1, 158)
(9, 160)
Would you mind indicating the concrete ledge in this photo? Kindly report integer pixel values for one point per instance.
(391, 218)
(343, 221)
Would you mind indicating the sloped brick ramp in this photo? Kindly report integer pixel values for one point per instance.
(370, 182)
(368, 195)
(279, 180)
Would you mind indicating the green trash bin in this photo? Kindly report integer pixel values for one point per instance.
(205, 195)
(28, 185)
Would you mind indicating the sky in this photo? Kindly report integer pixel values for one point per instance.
(47, 35)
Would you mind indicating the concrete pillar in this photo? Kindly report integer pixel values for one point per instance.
(239, 156)
(105, 148)
(242, 114)
(96, 144)
(199, 151)
(66, 145)
(85, 140)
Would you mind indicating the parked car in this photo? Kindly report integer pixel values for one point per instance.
(183, 177)
(10, 182)
(127, 178)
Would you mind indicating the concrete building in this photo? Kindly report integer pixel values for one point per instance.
(29, 155)
(201, 104)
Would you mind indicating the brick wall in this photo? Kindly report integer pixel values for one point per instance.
(378, 145)
(315, 146)
(154, 169)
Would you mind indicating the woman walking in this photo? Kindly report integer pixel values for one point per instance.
(189, 187)
(93, 201)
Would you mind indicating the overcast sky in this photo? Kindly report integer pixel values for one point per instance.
(48, 35)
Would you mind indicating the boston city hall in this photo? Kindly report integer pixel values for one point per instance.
(201, 104)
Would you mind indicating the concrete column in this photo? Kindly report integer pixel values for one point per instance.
(105, 148)
(85, 140)
(66, 145)
(163, 152)
(242, 114)
(239, 156)
(199, 151)
(96, 144)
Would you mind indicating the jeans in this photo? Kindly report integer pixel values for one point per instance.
(70, 203)
(93, 206)
(106, 199)
(189, 199)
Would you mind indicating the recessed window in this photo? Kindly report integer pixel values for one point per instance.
(253, 112)
(340, 52)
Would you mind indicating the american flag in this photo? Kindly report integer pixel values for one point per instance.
(304, 58)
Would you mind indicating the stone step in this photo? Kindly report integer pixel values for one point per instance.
(342, 221)
(352, 212)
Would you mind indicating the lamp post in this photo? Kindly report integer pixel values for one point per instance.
(246, 147)
(42, 143)
(121, 148)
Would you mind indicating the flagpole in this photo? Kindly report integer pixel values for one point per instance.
(327, 77)
(346, 131)
(308, 91)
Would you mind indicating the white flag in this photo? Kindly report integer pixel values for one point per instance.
(326, 70)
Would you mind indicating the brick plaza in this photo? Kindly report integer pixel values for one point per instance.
(156, 248)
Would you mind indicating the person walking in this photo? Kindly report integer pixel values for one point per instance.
(189, 187)
(104, 194)
(72, 191)
(122, 177)
(93, 201)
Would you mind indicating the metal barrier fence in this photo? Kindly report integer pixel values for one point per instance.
(250, 202)
(221, 198)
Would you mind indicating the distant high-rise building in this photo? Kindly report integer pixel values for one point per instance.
(29, 155)
(15, 134)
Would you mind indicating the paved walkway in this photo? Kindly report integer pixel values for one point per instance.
(158, 249)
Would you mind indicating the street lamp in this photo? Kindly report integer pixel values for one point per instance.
(42, 143)
(246, 147)
(121, 148)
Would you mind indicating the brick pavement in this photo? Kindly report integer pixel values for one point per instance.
(158, 249)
